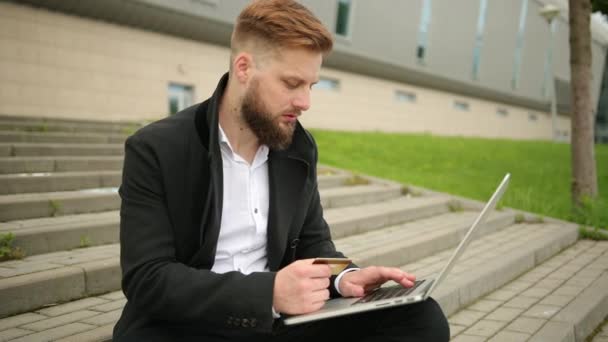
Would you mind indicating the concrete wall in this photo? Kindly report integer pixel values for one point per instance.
(364, 103)
(52, 64)
(57, 65)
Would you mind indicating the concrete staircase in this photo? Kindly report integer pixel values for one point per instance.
(58, 196)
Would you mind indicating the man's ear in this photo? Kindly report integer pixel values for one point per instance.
(243, 66)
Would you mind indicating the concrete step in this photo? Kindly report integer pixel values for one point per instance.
(15, 165)
(326, 181)
(344, 196)
(33, 149)
(563, 299)
(54, 234)
(602, 333)
(491, 259)
(50, 204)
(70, 121)
(58, 277)
(100, 270)
(71, 228)
(22, 183)
(403, 243)
(59, 181)
(59, 126)
(60, 137)
(363, 218)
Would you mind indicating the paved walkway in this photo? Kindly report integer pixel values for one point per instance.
(529, 307)
(88, 319)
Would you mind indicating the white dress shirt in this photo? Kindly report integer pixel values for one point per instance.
(242, 241)
(241, 245)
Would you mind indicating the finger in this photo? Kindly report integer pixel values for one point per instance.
(409, 276)
(320, 296)
(371, 287)
(318, 271)
(316, 306)
(406, 282)
(391, 273)
(351, 290)
(320, 284)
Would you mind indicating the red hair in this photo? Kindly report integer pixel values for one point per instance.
(281, 24)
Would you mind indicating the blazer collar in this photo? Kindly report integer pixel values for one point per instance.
(288, 171)
(206, 122)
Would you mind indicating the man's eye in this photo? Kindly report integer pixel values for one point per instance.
(291, 85)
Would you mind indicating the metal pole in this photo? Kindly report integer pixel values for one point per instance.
(552, 81)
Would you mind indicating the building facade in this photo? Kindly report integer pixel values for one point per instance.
(471, 68)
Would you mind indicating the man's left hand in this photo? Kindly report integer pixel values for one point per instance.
(358, 283)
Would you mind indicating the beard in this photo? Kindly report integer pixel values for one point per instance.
(263, 124)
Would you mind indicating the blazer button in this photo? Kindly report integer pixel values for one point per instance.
(294, 243)
(245, 323)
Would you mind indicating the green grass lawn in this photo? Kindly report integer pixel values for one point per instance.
(470, 167)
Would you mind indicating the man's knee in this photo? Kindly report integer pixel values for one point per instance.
(435, 321)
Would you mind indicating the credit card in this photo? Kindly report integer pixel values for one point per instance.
(337, 264)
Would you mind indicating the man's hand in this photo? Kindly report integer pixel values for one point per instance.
(301, 287)
(358, 283)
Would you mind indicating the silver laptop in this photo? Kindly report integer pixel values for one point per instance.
(386, 297)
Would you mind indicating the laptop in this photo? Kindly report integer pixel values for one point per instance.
(390, 296)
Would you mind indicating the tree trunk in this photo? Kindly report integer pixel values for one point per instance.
(584, 174)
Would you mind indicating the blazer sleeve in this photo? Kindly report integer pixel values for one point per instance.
(315, 236)
(159, 285)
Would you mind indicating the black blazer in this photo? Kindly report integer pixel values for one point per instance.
(170, 220)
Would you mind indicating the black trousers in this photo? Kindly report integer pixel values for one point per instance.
(422, 321)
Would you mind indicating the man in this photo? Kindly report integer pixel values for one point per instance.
(221, 216)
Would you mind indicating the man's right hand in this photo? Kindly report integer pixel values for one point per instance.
(301, 287)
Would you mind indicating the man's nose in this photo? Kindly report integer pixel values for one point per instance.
(302, 100)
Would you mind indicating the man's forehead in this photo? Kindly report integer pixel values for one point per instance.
(303, 65)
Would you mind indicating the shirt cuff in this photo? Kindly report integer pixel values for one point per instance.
(337, 281)
(275, 314)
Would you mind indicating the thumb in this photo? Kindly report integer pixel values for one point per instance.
(351, 290)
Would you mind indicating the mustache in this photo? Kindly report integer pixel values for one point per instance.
(293, 112)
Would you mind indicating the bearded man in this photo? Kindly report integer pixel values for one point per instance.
(221, 216)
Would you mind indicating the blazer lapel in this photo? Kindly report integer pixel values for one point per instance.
(207, 125)
(287, 176)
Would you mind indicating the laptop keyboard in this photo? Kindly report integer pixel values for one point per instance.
(388, 292)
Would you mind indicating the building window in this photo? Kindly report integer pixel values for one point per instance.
(481, 22)
(519, 46)
(405, 96)
(327, 84)
(502, 111)
(461, 105)
(343, 19)
(180, 97)
(423, 31)
(205, 2)
(532, 117)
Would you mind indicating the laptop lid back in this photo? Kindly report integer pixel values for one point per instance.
(469, 235)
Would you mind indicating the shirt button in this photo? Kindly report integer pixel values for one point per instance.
(255, 210)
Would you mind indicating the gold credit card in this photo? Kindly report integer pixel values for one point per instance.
(337, 264)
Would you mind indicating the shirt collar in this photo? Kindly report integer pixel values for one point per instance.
(260, 157)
